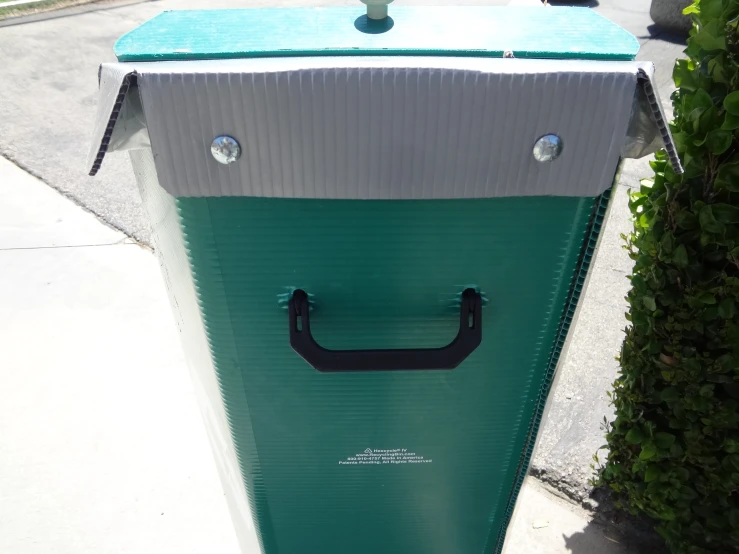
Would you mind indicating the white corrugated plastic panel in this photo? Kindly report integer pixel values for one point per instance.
(383, 127)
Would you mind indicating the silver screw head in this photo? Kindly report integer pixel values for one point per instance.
(547, 148)
(225, 149)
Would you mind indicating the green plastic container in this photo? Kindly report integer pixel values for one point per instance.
(385, 168)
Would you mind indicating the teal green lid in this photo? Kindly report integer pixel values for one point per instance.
(528, 32)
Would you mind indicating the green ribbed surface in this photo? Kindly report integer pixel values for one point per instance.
(587, 252)
(385, 275)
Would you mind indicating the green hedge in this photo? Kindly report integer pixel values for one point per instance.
(674, 443)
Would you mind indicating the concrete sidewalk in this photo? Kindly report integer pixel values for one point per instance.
(103, 448)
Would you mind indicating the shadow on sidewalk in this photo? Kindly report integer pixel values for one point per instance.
(576, 3)
(636, 539)
(655, 33)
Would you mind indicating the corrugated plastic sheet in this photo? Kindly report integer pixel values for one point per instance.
(453, 445)
(233, 448)
(384, 275)
(115, 82)
(529, 32)
(577, 286)
(401, 128)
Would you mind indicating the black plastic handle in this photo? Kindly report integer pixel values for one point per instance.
(448, 357)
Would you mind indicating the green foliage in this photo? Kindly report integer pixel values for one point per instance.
(674, 443)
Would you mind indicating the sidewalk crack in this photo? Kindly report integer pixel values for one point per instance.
(123, 242)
